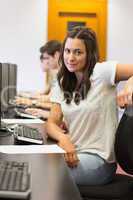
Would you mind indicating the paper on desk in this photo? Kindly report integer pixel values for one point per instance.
(22, 121)
(30, 149)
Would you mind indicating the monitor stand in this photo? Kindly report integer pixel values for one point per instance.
(3, 127)
(3, 130)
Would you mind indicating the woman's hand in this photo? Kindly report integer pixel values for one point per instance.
(125, 96)
(70, 157)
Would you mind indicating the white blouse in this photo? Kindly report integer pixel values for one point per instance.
(92, 124)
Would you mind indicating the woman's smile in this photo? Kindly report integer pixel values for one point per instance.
(75, 55)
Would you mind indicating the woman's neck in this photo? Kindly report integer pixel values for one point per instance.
(79, 76)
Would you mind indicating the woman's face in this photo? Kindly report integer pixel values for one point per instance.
(75, 55)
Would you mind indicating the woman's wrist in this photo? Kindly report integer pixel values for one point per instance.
(129, 85)
(63, 136)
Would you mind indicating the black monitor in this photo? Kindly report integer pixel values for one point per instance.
(8, 79)
(12, 81)
(4, 86)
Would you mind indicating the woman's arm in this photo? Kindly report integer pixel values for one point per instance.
(54, 121)
(123, 72)
(125, 96)
(54, 131)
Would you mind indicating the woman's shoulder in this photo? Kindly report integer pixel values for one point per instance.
(104, 66)
(105, 71)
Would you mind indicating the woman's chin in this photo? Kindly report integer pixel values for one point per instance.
(71, 69)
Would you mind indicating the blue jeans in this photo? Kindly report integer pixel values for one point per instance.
(92, 170)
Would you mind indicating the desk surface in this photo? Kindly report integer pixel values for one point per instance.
(50, 179)
(49, 175)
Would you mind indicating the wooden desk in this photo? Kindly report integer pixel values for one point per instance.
(50, 179)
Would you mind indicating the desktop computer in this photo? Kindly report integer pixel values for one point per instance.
(8, 79)
(14, 176)
(12, 81)
(4, 86)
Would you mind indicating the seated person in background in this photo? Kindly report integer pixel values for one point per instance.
(49, 57)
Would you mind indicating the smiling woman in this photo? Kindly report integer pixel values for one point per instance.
(75, 58)
(79, 56)
(85, 97)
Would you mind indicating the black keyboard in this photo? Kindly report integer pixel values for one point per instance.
(14, 180)
(27, 134)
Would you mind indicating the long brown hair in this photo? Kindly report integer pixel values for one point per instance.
(67, 80)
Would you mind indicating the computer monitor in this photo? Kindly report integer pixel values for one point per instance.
(8, 84)
(12, 81)
(4, 86)
(8, 79)
(0, 89)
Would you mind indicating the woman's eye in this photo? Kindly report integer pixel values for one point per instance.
(78, 52)
(67, 51)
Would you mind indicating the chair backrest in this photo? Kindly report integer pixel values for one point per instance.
(124, 141)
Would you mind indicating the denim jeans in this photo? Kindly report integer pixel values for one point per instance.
(92, 170)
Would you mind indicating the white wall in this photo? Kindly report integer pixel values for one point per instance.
(22, 31)
(120, 33)
(120, 30)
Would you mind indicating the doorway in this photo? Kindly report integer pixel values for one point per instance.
(63, 15)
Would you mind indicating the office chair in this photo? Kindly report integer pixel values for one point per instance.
(121, 187)
(124, 141)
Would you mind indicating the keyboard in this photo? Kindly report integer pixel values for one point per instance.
(13, 104)
(27, 134)
(14, 180)
(20, 112)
